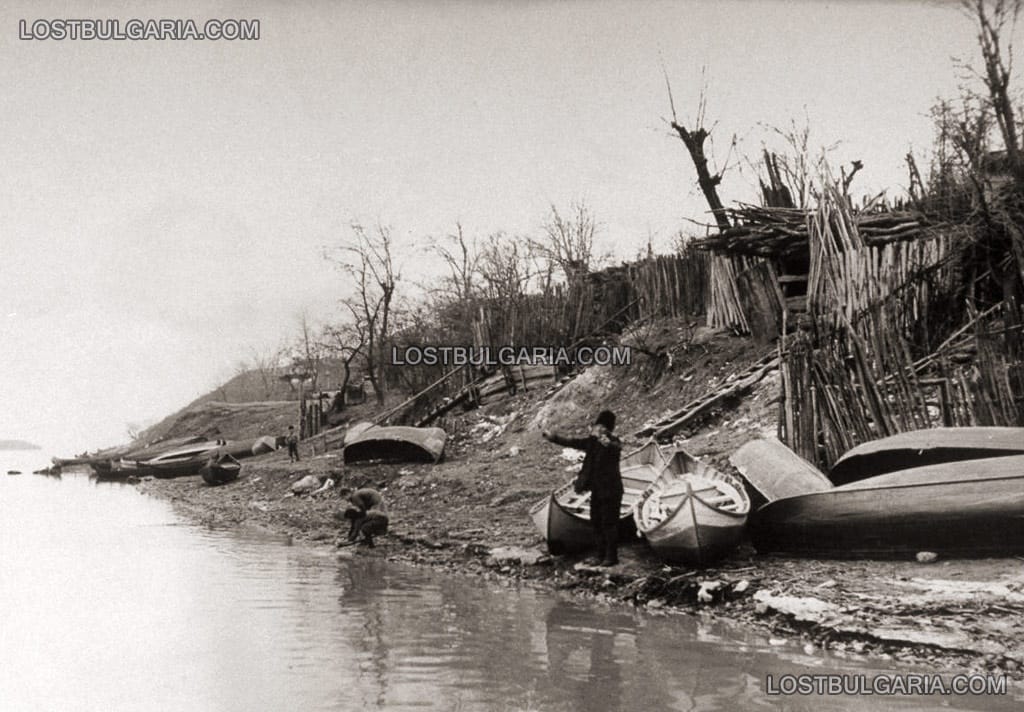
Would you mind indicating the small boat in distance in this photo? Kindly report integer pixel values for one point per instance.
(917, 448)
(563, 517)
(692, 513)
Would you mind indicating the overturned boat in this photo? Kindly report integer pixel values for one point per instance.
(241, 449)
(563, 517)
(692, 513)
(365, 442)
(773, 471)
(918, 448)
(967, 508)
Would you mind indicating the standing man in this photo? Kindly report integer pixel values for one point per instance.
(600, 476)
(293, 444)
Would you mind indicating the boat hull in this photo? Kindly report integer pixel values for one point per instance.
(177, 468)
(919, 448)
(220, 472)
(394, 444)
(775, 472)
(692, 514)
(955, 509)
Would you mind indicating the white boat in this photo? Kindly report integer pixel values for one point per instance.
(692, 513)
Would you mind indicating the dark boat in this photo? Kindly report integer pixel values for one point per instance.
(918, 448)
(365, 442)
(774, 471)
(180, 462)
(220, 469)
(103, 468)
(957, 509)
(563, 517)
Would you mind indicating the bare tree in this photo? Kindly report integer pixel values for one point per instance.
(995, 19)
(308, 352)
(347, 340)
(264, 363)
(793, 171)
(506, 267)
(569, 241)
(456, 297)
(462, 260)
(367, 257)
(694, 140)
(134, 431)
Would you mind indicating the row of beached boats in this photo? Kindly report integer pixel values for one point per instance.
(955, 491)
(688, 511)
(216, 461)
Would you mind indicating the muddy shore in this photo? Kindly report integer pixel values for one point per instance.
(469, 515)
(951, 616)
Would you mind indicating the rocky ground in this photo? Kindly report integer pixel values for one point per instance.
(468, 515)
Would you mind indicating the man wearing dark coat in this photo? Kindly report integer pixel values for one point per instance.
(600, 475)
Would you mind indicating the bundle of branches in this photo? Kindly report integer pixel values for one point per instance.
(783, 232)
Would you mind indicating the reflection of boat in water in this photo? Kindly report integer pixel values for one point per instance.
(692, 513)
(918, 448)
(955, 508)
(563, 518)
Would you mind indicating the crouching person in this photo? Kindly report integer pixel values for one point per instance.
(367, 514)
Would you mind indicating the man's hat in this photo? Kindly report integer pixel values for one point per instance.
(606, 418)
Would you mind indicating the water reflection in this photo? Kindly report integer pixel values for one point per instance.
(583, 660)
(111, 603)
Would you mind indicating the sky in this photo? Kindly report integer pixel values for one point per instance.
(165, 205)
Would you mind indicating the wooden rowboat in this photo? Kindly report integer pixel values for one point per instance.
(399, 443)
(956, 508)
(180, 462)
(918, 448)
(220, 470)
(563, 518)
(774, 471)
(692, 513)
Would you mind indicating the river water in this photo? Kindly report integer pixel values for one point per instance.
(110, 602)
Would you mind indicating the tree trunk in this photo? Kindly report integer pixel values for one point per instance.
(694, 142)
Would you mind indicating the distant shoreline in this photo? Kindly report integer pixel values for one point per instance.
(15, 445)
